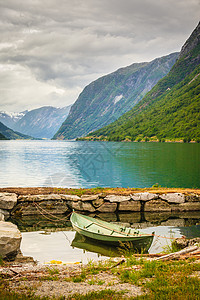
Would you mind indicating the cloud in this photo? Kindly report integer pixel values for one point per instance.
(51, 45)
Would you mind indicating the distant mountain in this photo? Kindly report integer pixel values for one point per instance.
(171, 109)
(42, 122)
(107, 98)
(11, 118)
(12, 135)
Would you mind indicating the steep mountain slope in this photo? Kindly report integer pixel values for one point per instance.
(107, 98)
(42, 122)
(171, 109)
(12, 135)
(2, 137)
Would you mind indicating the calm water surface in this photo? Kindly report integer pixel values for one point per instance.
(62, 245)
(90, 164)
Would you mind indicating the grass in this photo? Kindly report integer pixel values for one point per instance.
(165, 280)
(176, 280)
(102, 295)
(121, 191)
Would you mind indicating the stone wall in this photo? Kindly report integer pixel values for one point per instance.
(13, 204)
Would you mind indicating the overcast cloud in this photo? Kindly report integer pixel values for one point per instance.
(51, 49)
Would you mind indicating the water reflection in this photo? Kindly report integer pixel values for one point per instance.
(46, 241)
(109, 250)
(90, 164)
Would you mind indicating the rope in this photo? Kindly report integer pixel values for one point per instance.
(48, 213)
(128, 234)
(40, 209)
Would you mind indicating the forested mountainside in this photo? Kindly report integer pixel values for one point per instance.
(2, 137)
(12, 135)
(170, 111)
(107, 98)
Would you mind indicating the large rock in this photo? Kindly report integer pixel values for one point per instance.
(130, 206)
(107, 207)
(157, 206)
(4, 215)
(192, 198)
(42, 207)
(97, 202)
(187, 206)
(117, 198)
(38, 198)
(70, 197)
(146, 196)
(10, 239)
(7, 200)
(81, 206)
(173, 197)
(89, 197)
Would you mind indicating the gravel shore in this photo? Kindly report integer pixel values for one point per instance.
(55, 280)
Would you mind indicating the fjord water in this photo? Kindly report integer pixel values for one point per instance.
(104, 164)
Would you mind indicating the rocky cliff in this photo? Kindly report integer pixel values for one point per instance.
(171, 109)
(107, 98)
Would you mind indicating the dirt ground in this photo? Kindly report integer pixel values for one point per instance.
(119, 191)
(54, 281)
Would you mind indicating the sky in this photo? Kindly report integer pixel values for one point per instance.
(51, 49)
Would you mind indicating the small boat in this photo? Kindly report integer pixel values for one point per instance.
(109, 233)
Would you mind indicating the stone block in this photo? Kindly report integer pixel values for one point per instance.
(130, 206)
(70, 197)
(43, 207)
(187, 206)
(97, 202)
(4, 214)
(157, 206)
(173, 197)
(107, 207)
(8, 200)
(117, 198)
(146, 196)
(38, 198)
(89, 197)
(192, 198)
(81, 206)
(10, 239)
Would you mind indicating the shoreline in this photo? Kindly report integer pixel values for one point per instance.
(94, 191)
(59, 201)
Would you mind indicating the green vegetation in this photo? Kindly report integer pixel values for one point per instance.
(158, 280)
(9, 134)
(106, 99)
(2, 137)
(170, 111)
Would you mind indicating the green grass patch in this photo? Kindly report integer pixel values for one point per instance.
(102, 295)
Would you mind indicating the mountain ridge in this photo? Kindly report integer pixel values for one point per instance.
(174, 95)
(42, 122)
(107, 98)
(13, 135)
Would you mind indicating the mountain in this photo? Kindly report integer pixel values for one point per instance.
(12, 135)
(11, 118)
(171, 109)
(106, 99)
(42, 122)
(2, 137)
